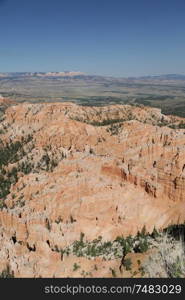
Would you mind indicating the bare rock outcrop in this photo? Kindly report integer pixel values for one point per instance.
(98, 171)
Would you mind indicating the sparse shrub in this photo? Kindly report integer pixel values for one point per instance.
(7, 273)
(81, 237)
(141, 270)
(176, 270)
(142, 245)
(168, 260)
(75, 267)
(95, 268)
(115, 129)
(139, 262)
(127, 264)
(155, 234)
(113, 272)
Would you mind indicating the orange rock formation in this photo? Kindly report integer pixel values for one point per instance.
(105, 181)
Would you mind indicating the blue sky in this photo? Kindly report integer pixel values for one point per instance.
(105, 37)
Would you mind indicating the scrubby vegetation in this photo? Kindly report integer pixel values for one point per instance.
(11, 153)
(167, 248)
(109, 249)
(15, 158)
(104, 122)
(168, 259)
(115, 129)
(46, 163)
(127, 263)
(178, 126)
(76, 267)
(7, 273)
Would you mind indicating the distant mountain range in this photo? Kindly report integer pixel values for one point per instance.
(165, 77)
(81, 75)
(42, 74)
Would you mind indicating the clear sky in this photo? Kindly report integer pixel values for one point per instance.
(105, 37)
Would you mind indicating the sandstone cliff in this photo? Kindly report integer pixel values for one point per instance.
(98, 171)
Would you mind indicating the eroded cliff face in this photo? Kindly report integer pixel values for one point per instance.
(64, 176)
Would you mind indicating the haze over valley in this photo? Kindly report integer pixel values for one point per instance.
(164, 91)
